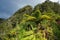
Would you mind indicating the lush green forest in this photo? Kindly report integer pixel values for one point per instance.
(39, 23)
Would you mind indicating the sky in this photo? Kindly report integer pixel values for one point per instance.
(9, 7)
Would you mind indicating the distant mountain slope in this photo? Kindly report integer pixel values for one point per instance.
(1, 20)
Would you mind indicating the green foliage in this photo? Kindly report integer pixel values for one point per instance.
(41, 23)
(37, 14)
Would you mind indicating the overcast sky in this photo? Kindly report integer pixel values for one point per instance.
(8, 7)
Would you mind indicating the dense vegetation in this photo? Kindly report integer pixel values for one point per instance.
(39, 23)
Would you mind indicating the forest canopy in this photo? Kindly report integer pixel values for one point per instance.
(39, 23)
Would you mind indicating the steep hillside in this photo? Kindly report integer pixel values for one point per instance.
(39, 23)
(49, 6)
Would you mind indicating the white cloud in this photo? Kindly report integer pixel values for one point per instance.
(54, 0)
